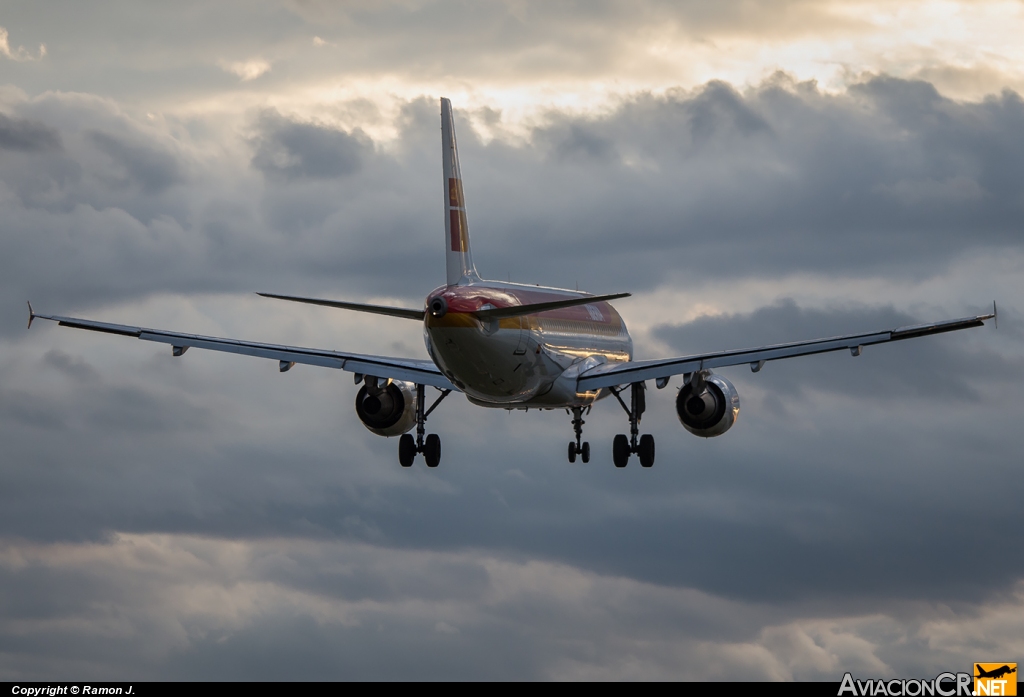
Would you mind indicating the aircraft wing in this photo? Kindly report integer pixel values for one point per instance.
(611, 374)
(423, 372)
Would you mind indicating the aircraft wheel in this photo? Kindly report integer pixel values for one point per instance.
(620, 450)
(645, 449)
(406, 450)
(432, 450)
(572, 452)
(585, 454)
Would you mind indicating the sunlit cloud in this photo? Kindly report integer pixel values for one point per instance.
(191, 596)
(20, 53)
(544, 59)
(247, 70)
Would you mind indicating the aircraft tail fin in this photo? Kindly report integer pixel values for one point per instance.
(459, 259)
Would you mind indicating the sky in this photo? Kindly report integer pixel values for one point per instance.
(752, 172)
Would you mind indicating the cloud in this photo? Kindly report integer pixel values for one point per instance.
(514, 56)
(152, 169)
(247, 70)
(292, 149)
(778, 179)
(27, 136)
(822, 532)
(71, 366)
(775, 180)
(20, 53)
(203, 605)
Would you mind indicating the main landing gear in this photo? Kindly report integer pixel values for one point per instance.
(431, 446)
(623, 447)
(577, 448)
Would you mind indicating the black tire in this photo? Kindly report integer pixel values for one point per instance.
(620, 451)
(406, 450)
(432, 450)
(572, 452)
(585, 454)
(645, 449)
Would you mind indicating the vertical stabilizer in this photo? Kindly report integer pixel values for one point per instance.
(457, 255)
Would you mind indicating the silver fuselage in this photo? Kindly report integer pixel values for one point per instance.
(527, 361)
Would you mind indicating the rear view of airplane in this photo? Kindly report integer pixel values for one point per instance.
(514, 346)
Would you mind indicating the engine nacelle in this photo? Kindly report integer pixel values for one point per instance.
(711, 413)
(389, 411)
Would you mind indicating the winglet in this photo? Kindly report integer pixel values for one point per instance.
(31, 315)
(995, 314)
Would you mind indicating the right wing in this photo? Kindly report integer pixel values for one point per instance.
(419, 371)
(612, 374)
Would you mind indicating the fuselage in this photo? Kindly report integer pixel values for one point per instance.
(526, 361)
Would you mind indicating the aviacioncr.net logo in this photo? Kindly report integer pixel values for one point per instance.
(945, 685)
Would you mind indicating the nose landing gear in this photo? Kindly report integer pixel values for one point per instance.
(431, 445)
(643, 446)
(578, 448)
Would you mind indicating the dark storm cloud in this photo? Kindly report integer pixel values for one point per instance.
(685, 186)
(779, 179)
(26, 135)
(442, 626)
(35, 165)
(209, 609)
(99, 407)
(576, 142)
(719, 111)
(296, 150)
(71, 366)
(149, 168)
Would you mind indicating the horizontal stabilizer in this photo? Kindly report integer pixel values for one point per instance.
(520, 310)
(359, 307)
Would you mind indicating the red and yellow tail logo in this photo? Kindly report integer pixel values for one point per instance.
(457, 216)
(995, 679)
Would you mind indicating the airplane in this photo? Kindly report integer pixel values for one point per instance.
(995, 673)
(514, 346)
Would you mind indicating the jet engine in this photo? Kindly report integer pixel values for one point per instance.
(387, 410)
(708, 404)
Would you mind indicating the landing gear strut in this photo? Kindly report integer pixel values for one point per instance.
(643, 446)
(431, 445)
(577, 448)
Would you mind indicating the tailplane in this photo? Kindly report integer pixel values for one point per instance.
(458, 257)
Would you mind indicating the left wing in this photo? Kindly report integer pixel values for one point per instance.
(422, 372)
(359, 307)
(611, 374)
